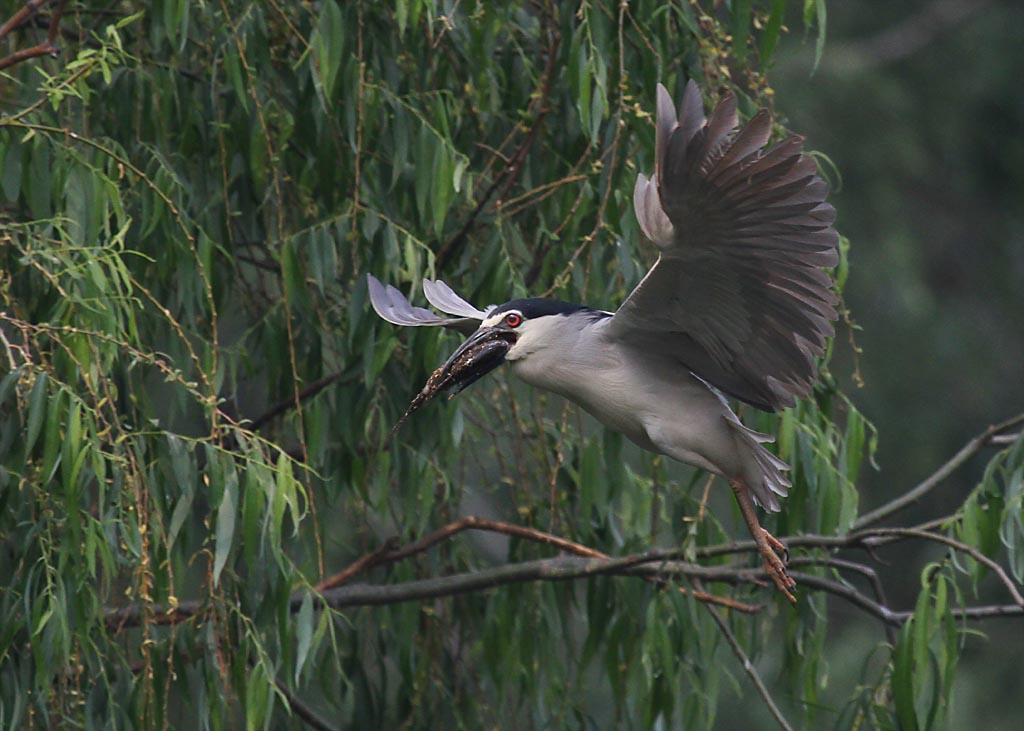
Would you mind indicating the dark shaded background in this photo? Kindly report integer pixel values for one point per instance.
(930, 144)
(920, 106)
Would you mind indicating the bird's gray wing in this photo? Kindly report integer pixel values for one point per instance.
(738, 295)
(394, 307)
(443, 297)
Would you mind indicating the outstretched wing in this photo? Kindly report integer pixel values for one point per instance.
(394, 307)
(738, 295)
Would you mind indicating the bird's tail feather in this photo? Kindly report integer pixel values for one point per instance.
(765, 474)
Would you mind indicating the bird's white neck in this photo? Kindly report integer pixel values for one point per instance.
(553, 352)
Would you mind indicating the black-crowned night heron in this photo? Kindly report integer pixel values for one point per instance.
(738, 305)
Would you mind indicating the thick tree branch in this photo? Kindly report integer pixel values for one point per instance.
(388, 554)
(661, 564)
(655, 565)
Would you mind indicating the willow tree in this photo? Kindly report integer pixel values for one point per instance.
(206, 521)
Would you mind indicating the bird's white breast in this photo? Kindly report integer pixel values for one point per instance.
(572, 364)
(658, 405)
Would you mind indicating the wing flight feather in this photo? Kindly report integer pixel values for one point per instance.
(739, 295)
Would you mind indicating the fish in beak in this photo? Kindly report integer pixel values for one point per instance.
(479, 354)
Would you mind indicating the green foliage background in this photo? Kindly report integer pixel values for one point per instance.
(197, 398)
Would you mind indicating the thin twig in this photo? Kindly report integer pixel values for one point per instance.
(303, 711)
(357, 176)
(513, 168)
(360, 565)
(866, 571)
(903, 533)
(748, 666)
(972, 447)
(532, 197)
(847, 592)
(307, 393)
(54, 29)
(446, 23)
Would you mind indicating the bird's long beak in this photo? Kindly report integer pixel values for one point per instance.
(479, 354)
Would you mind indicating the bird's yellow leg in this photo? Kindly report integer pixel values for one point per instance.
(772, 550)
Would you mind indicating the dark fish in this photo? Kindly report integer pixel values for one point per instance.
(475, 358)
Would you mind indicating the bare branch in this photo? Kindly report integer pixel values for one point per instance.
(748, 666)
(871, 538)
(363, 563)
(21, 17)
(43, 49)
(903, 533)
(303, 711)
(866, 571)
(657, 565)
(47, 47)
(847, 592)
(308, 392)
(972, 447)
(388, 554)
(654, 564)
(562, 568)
(986, 612)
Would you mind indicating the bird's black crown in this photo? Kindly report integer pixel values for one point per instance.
(532, 307)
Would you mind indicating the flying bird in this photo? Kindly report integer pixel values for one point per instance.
(739, 305)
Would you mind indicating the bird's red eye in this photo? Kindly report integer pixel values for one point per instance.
(513, 320)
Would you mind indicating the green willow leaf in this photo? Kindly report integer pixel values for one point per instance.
(303, 634)
(37, 403)
(226, 515)
(328, 44)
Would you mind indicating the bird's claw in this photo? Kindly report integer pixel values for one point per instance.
(775, 559)
(777, 546)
